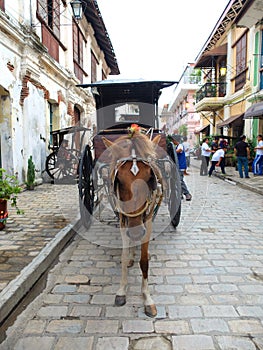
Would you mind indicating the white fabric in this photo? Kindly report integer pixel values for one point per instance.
(204, 149)
(259, 152)
(186, 148)
(217, 155)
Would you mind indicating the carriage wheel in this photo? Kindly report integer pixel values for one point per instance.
(86, 187)
(62, 169)
(175, 189)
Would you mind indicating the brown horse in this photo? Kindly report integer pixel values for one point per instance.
(137, 188)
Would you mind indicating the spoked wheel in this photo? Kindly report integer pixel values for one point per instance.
(86, 187)
(63, 168)
(174, 203)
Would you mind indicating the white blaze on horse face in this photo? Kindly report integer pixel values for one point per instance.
(134, 169)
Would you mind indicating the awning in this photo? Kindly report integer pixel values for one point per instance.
(255, 111)
(208, 57)
(200, 129)
(230, 120)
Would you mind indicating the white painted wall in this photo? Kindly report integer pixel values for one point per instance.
(24, 127)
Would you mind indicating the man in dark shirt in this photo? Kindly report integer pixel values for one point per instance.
(242, 153)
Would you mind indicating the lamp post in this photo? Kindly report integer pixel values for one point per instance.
(77, 10)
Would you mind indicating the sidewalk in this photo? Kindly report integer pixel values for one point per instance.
(254, 183)
(31, 242)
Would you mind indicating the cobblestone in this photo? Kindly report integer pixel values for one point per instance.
(205, 278)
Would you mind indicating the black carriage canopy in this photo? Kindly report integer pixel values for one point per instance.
(111, 93)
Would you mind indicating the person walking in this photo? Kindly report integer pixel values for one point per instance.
(186, 145)
(242, 152)
(205, 157)
(257, 166)
(179, 149)
(217, 158)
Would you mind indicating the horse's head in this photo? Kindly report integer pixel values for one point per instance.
(134, 180)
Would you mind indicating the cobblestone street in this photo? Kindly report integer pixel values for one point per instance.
(206, 279)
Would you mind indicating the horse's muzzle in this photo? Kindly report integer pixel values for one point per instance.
(136, 233)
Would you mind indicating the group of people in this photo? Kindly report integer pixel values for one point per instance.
(217, 149)
(241, 150)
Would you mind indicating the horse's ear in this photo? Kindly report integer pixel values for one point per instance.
(156, 140)
(107, 142)
(113, 148)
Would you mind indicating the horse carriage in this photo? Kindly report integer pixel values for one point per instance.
(63, 161)
(132, 164)
(120, 104)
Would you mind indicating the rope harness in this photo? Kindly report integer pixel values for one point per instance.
(153, 202)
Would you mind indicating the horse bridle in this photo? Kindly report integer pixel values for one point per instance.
(151, 201)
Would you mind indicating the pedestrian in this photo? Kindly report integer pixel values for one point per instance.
(257, 166)
(242, 152)
(215, 144)
(217, 158)
(222, 143)
(179, 149)
(205, 157)
(186, 145)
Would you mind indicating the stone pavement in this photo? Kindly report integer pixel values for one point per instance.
(254, 183)
(205, 277)
(31, 242)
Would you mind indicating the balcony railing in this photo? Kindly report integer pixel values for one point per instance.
(211, 90)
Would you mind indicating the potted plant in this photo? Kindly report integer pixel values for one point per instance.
(9, 189)
(30, 183)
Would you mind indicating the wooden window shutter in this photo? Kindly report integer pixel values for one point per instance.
(75, 42)
(241, 54)
(2, 5)
(94, 64)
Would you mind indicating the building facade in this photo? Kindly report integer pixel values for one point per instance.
(45, 53)
(182, 117)
(232, 79)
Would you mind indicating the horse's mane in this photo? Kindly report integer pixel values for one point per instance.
(143, 146)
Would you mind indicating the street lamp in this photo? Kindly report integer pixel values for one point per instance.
(76, 6)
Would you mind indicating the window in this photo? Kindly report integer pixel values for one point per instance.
(48, 13)
(128, 112)
(241, 62)
(94, 64)
(78, 52)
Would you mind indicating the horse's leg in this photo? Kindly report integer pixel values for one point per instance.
(120, 298)
(149, 306)
(131, 256)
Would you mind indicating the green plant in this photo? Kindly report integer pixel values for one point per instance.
(9, 189)
(251, 145)
(30, 173)
(183, 130)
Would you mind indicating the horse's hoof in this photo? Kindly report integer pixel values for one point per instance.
(120, 300)
(130, 263)
(150, 310)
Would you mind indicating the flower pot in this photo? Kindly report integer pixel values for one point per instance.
(3, 213)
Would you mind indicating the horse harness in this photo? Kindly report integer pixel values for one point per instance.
(153, 201)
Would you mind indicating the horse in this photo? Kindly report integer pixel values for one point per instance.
(136, 183)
